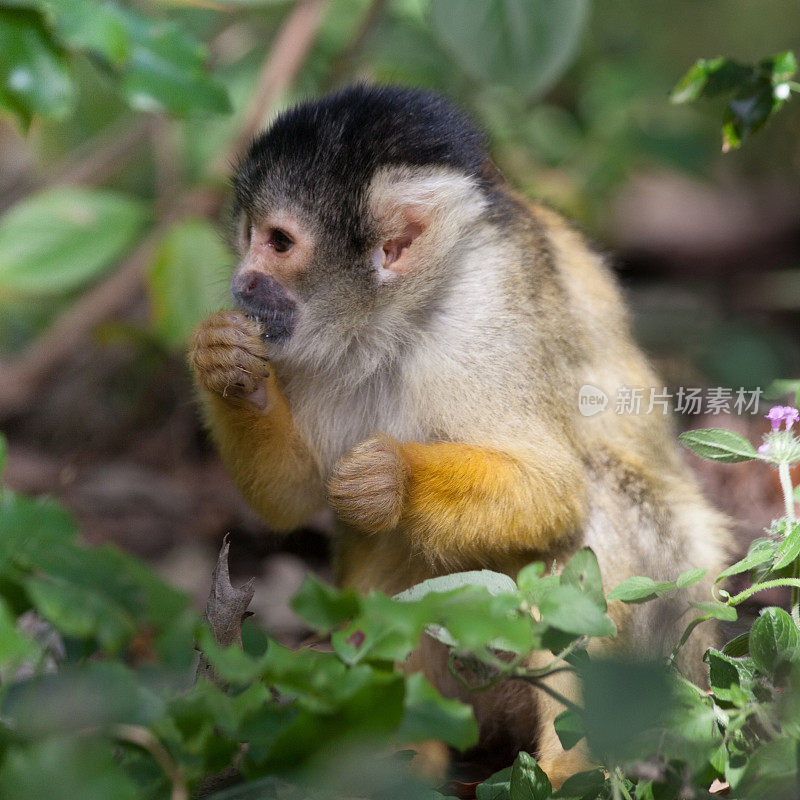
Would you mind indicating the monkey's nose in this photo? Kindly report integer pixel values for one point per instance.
(251, 286)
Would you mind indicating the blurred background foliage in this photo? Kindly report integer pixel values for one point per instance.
(119, 125)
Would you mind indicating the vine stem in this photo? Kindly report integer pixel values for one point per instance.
(788, 499)
(759, 587)
(788, 490)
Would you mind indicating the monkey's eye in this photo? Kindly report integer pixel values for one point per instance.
(280, 241)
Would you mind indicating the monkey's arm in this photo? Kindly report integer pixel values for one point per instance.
(458, 501)
(251, 423)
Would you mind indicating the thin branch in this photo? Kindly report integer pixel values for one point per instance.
(144, 738)
(287, 55)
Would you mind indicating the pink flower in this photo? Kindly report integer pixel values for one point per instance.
(775, 415)
(778, 414)
(763, 449)
(790, 416)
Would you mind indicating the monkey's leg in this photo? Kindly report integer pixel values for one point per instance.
(461, 503)
(251, 423)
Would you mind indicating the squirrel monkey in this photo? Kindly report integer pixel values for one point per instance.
(409, 346)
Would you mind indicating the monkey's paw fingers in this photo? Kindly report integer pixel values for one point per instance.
(367, 486)
(229, 357)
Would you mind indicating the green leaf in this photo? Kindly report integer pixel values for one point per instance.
(761, 551)
(718, 444)
(782, 66)
(80, 613)
(166, 71)
(584, 786)
(523, 45)
(569, 728)
(710, 77)
(87, 25)
(731, 678)
(583, 572)
(75, 699)
(33, 72)
(188, 279)
(747, 111)
(322, 605)
(493, 582)
(15, 646)
(569, 610)
(428, 715)
(689, 577)
(529, 575)
(60, 239)
(716, 610)
(789, 549)
(496, 787)
(770, 772)
(774, 640)
(738, 646)
(528, 781)
(633, 590)
(64, 769)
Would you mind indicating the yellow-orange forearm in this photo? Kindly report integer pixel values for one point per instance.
(467, 501)
(267, 458)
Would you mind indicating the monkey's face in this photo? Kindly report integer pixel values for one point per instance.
(274, 252)
(350, 211)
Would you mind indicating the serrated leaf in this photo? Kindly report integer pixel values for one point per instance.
(690, 577)
(58, 240)
(428, 715)
(66, 767)
(718, 444)
(495, 787)
(789, 549)
(716, 610)
(585, 786)
(528, 780)
(729, 677)
(188, 279)
(774, 640)
(524, 45)
(633, 590)
(34, 78)
(583, 572)
(738, 646)
(493, 582)
(761, 551)
(529, 575)
(569, 728)
(324, 606)
(567, 609)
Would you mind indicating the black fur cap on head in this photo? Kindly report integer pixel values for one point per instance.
(321, 154)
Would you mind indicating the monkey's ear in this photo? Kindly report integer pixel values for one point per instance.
(419, 212)
(393, 255)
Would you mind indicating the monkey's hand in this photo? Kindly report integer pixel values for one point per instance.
(367, 487)
(229, 358)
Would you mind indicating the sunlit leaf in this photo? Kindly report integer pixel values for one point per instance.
(718, 444)
(60, 239)
(34, 78)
